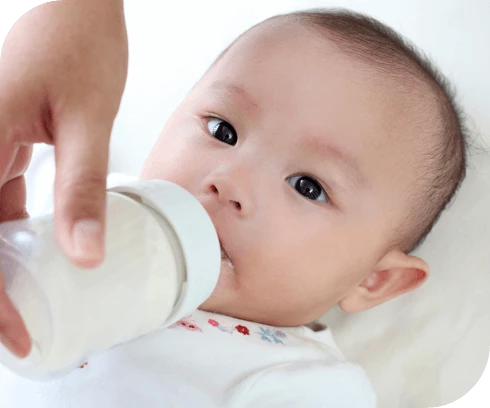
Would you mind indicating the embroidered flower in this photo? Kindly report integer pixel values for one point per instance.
(264, 334)
(187, 323)
(180, 322)
(267, 335)
(223, 326)
(242, 329)
(193, 327)
(213, 322)
(280, 334)
(83, 365)
(226, 327)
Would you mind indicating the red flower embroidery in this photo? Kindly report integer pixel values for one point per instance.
(213, 322)
(243, 330)
(186, 323)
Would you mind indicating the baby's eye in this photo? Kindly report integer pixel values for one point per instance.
(308, 187)
(222, 131)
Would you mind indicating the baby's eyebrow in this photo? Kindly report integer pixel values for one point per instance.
(237, 92)
(317, 144)
(323, 148)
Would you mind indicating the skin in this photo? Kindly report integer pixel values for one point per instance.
(298, 105)
(63, 68)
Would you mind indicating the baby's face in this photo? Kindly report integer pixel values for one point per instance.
(291, 148)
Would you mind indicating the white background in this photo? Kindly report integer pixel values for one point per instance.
(172, 43)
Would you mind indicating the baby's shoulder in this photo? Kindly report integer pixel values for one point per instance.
(307, 384)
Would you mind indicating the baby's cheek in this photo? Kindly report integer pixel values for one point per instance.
(158, 168)
(228, 285)
(228, 280)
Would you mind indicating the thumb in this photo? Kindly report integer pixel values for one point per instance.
(81, 153)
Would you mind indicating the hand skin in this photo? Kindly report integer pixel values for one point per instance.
(63, 69)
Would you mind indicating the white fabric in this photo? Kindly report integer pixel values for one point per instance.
(206, 360)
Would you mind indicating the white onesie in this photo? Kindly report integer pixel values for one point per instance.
(206, 360)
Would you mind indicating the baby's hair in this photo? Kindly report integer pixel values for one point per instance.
(444, 159)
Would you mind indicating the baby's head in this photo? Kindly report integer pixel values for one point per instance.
(324, 149)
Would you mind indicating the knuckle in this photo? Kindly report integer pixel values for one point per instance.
(84, 197)
(21, 162)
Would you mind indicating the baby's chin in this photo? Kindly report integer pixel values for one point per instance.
(226, 289)
(227, 299)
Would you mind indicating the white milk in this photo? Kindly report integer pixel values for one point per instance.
(148, 279)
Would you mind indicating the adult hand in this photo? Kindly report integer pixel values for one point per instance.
(63, 69)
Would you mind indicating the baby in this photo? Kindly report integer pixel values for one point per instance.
(324, 148)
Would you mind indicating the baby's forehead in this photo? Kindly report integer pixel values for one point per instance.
(288, 37)
(310, 73)
(282, 47)
(296, 74)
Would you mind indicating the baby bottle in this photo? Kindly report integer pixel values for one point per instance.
(162, 262)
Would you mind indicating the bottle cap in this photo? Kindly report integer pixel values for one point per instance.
(195, 232)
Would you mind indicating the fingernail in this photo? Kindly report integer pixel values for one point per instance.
(87, 240)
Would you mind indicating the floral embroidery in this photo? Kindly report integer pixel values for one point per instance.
(226, 327)
(279, 333)
(213, 322)
(187, 323)
(270, 335)
(242, 329)
(83, 365)
(267, 335)
(223, 326)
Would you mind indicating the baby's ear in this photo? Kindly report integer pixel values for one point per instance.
(396, 273)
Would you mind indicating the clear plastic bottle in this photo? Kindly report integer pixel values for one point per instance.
(162, 262)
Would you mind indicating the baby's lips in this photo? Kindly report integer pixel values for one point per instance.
(223, 250)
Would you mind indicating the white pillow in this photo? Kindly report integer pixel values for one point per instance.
(430, 347)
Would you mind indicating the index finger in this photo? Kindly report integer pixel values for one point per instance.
(13, 333)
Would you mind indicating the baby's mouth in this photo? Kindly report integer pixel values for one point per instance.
(225, 257)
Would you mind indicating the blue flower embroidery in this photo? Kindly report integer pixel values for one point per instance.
(267, 335)
(226, 330)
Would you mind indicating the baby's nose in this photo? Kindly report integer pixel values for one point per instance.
(226, 194)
